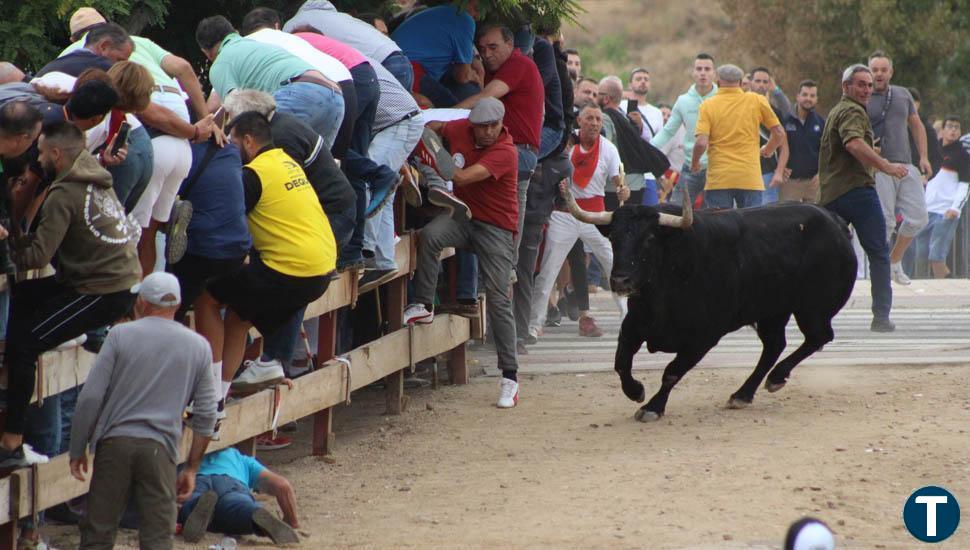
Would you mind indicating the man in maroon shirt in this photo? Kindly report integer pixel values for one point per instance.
(485, 180)
(514, 79)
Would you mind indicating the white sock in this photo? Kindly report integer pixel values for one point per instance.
(217, 373)
(897, 265)
(225, 388)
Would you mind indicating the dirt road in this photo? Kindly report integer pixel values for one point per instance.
(570, 468)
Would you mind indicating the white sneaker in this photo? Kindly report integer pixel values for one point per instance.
(509, 395)
(898, 274)
(417, 313)
(259, 374)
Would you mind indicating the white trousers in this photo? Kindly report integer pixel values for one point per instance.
(561, 235)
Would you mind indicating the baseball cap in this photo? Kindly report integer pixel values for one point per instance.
(84, 18)
(809, 534)
(158, 286)
(487, 110)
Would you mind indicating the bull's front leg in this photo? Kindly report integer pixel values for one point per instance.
(628, 344)
(683, 362)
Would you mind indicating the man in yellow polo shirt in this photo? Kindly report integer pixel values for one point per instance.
(294, 250)
(728, 124)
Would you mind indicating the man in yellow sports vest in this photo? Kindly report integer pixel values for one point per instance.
(294, 250)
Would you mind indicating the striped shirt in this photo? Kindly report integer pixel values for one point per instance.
(395, 103)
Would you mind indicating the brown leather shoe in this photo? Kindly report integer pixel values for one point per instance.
(588, 328)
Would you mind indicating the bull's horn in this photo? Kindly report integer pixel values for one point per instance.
(684, 221)
(596, 218)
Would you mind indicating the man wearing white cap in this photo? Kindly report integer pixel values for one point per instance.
(130, 411)
(485, 180)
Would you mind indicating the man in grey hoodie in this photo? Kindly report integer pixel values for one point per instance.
(82, 222)
(325, 18)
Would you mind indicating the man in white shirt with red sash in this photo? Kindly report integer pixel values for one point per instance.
(595, 160)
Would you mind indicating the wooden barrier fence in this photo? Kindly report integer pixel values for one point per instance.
(315, 394)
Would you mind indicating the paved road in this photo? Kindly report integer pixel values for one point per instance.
(932, 319)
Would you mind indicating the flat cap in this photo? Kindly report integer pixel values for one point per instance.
(487, 110)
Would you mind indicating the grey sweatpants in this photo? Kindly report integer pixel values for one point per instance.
(493, 245)
(905, 195)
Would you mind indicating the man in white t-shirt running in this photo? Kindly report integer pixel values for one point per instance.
(595, 160)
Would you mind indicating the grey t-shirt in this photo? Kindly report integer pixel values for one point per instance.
(893, 128)
(146, 373)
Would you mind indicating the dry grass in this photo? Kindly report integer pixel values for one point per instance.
(614, 36)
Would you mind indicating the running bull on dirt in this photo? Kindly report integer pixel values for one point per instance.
(693, 277)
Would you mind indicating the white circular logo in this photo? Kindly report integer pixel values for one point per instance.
(459, 160)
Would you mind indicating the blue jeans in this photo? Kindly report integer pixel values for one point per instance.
(368, 93)
(860, 207)
(771, 193)
(549, 141)
(318, 106)
(131, 177)
(933, 242)
(342, 224)
(467, 275)
(399, 65)
(390, 147)
(234, 509)
(694, 182)
(281, 345)
(359, 170)
(726, 198)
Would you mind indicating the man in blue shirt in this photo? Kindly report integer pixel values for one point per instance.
(804, 127)
(223, 500)
(441, 41)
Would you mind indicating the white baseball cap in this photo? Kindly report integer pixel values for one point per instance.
(160, 289)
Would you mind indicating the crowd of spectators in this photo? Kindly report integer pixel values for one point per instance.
(117, 165)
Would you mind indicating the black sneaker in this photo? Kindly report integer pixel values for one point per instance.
(197, 523)
(571, 306)
(176, 239)
(274, 528)
(21, 457)
(553, 317)
(882, 324)
(374, 278)
(458, 210)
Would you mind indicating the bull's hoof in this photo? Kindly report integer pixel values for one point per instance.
(635, 391)
(644, 415)
(737, 403)
(772, 387)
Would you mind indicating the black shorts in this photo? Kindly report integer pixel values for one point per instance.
(265, 297)
(194, 272)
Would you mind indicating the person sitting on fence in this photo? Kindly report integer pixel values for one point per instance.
(487, 184)
(130, 411)
(334, 192)
(82, 222)
(223, 500)
(295, 251)
(218, 238)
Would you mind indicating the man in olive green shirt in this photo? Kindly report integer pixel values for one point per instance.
(846, 185)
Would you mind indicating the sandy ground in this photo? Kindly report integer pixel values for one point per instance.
(570, 468)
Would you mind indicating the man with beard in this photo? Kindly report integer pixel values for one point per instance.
(295, 252)
(84, 225)
(574, 63)
(892, 112)
(804, 128)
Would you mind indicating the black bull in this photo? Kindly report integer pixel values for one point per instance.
(695, 277)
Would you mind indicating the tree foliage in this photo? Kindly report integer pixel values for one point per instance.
(32, 32)
(925, 38)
